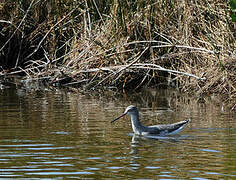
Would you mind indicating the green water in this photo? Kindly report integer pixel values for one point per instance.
(58, 134)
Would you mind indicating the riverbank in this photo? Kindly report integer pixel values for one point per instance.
(121, 45)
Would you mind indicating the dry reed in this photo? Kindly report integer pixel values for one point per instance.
(121, 45)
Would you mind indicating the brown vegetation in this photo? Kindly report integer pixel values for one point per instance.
(121, 44)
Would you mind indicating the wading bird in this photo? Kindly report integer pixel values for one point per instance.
(138, 128)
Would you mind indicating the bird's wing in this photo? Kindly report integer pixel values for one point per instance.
(168, 128)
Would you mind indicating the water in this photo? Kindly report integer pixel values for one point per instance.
(57, 134)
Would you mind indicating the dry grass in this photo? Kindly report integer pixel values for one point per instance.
(93, 45)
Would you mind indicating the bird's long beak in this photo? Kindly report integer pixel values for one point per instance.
(118, 117)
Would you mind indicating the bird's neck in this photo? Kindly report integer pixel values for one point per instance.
(136, 124)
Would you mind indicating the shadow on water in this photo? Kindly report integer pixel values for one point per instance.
(58, 134)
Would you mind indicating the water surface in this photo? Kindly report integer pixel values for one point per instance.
(58, 134)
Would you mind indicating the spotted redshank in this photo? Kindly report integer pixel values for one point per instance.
(138, 128)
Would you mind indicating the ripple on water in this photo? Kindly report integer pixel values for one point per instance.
(65, 135)
(210, 150)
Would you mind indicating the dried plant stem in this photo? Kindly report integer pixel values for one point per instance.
(17, 28)
(45, 36)
(118, 69)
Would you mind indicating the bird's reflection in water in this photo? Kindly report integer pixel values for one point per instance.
(137, 140)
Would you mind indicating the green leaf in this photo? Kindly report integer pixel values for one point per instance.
(233, 10)
(233, 4)
(233, 17)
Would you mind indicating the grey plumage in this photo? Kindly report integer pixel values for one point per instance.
(140, 129)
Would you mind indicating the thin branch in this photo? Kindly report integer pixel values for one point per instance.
(127, 66)
(98, 12)
(37, 48)
(124, 67)
(185, 47)
(159, 68)
(138, 66)
(22, 70)
(21, 22)
(3, 21)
